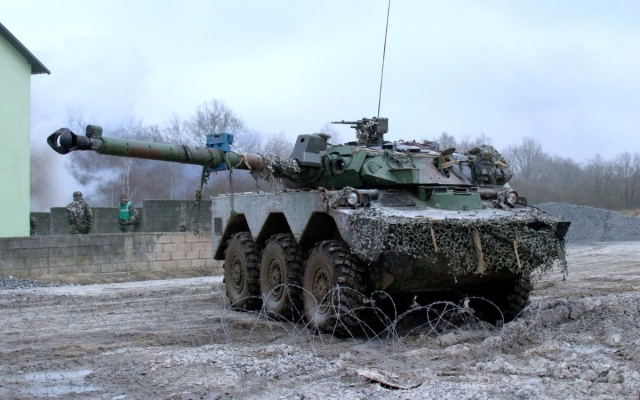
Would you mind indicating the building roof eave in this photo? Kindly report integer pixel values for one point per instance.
(36, 66)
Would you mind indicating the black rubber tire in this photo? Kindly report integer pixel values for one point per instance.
(281, 272)
(242, 272)
(511, 297)
(518, 298)
(331, 265)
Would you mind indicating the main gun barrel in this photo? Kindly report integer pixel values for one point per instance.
(64, 141)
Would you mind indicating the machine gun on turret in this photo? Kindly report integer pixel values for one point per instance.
(370, 131)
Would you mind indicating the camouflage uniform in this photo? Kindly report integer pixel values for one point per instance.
(32, 226)
(127, 215)
(79, 215)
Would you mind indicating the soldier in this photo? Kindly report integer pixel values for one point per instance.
(32, 226)
(128, 215)
(79, 215)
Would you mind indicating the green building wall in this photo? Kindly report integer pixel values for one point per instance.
(15, 90)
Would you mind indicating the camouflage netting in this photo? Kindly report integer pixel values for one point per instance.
(276, 168)
(534, 249)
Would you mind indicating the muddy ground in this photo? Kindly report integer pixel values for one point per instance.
(175, 339)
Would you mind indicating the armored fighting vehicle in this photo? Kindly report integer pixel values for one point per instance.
(364, 222)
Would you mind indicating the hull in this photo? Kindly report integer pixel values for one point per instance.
(406, 245)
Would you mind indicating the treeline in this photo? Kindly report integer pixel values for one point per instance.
(541, 177)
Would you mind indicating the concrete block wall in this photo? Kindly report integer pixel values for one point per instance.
(43, 223)
(168, 215)
(157, 216)
(31, 257)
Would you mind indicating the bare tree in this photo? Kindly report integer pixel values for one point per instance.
(249, 141)
(465, 144)
(598, 186)
(210, 118)
(526, 159)
(446, 141)
(278, 144)
(175, 130)
(626, 173)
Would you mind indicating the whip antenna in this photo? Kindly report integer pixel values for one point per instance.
(384, 50)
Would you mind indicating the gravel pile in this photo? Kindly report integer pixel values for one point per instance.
(590, 224)
(15, 283)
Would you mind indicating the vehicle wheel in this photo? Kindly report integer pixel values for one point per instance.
(518, 298)
(281, 272)
(242, 272)
(332, 266)
(511, 297)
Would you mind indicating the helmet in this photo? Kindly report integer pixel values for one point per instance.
(77, 194)
(123, 196)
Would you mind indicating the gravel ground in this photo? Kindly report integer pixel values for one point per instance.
(16, 283)
(590, 224)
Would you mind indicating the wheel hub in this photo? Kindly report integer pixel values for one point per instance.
(276, 278)
(321, 287)
(237, 272)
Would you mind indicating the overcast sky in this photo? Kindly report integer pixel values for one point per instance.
(566, 73)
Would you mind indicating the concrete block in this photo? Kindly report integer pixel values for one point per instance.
(57, 270)
(154, 247)
(140, 248)
(184, 247)
(184, 264)
(84, 260)
(134, 257)
(210, 262)
(18, 273)
(148, 257)
(100, 259)
(193, 238)
(48, 241)
(87, 250)
(163, 239)
(39, 253)
(139, 266)
(70, 260)
(55, 262)
(191, 255)
(92, 269)
(124, 267)
(206, 254)
(116, 258)
(198, 262)
(156, 265)
(199, 245)
(141, 238)
(180, 238)
(7, 244)
(170, 264)
(163, 256)
(30, 243)
(170, 247)
(74, 269)
(38, 263)
(43, 223)
(58, 252)
(178, 255)
(108, 268)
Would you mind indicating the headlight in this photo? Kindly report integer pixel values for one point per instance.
(353, 198)
(511, 198)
